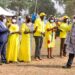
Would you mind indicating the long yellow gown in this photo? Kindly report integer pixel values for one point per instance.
(49, 35)
(13, 44)
(25, 53)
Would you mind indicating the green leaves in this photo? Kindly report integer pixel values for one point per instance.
(46, 6)
(70, 6)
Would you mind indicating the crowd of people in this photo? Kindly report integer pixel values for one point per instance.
(16, 33)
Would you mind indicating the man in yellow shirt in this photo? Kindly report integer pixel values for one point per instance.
(64, 27)
(38, 35)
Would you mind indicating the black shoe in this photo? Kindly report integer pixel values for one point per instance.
(66, 67)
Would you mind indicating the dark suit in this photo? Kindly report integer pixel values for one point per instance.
(3, 40)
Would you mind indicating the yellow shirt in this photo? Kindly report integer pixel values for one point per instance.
(64, 27)
(48, 25)
(40, 27)
(25, 28)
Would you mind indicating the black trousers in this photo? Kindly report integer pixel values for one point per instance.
(38, 43)
(3, 51)
(62, 47)
(70, 60)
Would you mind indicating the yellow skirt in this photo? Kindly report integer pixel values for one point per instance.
(24, 52)
(50, 41)
(12, 48)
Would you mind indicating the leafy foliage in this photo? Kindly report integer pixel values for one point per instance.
(46, 6)
(70, 6)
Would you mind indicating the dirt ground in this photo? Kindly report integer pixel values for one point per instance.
(44, 67)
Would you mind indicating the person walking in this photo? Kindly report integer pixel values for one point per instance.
(71, 46)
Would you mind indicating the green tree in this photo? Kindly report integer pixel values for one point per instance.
(70, 6)
(20, 4)
(1, 4)
(46, 6)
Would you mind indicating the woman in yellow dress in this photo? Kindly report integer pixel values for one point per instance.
(25, 48)
(50, 36)
(13, 42)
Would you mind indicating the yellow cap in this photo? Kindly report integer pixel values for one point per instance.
(64, 17)
(42, 14)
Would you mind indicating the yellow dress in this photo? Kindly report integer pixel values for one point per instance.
(13, 44)
(24, 53)
(50, 35)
